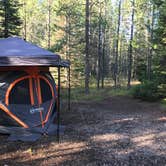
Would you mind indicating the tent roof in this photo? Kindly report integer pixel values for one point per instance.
(15, 51)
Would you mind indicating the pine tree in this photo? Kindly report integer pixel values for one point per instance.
(117, 44)
(9, 18)
(87, 68)
(130, 51)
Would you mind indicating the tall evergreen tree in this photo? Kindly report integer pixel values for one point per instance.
(87, 68)
(130, 51)
(117, 44)
(9, 18)
(160, 46)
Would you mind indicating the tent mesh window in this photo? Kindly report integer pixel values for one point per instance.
(6, 120)
(45, 91)
(20, 93)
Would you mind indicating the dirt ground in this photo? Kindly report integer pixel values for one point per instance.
(119, 131)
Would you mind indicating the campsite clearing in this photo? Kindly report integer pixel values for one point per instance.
(117, 131)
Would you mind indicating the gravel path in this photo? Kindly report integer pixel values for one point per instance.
(119, 131)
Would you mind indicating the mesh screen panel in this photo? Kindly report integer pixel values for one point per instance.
(45, 91)
(20, 93)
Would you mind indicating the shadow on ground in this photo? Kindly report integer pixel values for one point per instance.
(118, 131)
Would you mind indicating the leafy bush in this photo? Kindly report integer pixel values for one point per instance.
(162, 90)
(148, 91)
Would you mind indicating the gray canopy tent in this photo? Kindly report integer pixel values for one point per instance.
(29, 101)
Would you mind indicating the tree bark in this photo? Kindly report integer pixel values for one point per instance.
(104, 45)
(150, 50)
(103, 59)
(25, 20)
(6, 32)
(117, 45)
(99, 49)
(130, 50)
(87, 65)
(49, 23)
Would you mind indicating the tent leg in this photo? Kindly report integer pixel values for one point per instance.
(69, 90)
(58, 109)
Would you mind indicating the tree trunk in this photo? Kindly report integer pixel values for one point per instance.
(68, 56)
(68, 36)
(103, 60)
(25, 20)
(150, 50)
(49, 23)
(104, 45)
(6, 32)
(99, 49)
(117, 44)
(130, 50)
(87, 66)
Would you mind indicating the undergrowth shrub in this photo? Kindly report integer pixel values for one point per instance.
(147, 91)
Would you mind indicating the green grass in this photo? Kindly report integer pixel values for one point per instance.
(78, 94)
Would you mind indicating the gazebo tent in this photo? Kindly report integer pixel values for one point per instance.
(29, 103)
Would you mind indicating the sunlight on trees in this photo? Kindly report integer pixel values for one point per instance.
(107, 41)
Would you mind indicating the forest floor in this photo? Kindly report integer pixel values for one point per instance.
(119, 131)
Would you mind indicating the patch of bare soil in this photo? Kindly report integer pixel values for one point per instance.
(119, 131)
